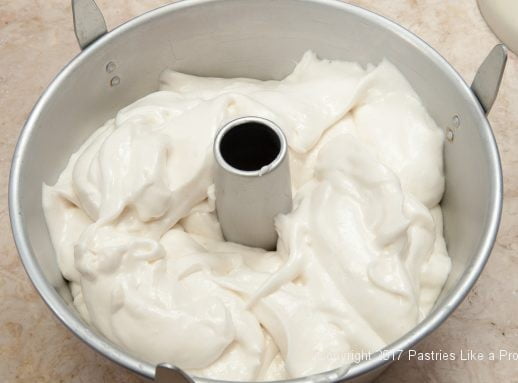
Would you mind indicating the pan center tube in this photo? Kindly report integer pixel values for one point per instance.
(252, 180)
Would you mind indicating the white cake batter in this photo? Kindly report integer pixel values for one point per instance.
(360, 260)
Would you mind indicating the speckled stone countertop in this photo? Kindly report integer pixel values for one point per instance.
(37, 40)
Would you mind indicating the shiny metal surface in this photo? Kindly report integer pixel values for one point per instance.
(247, 201)
(89, 22)
(167, 373)
(204, 37)
(489, 76)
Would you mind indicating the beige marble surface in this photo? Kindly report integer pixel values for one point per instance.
(36, 40)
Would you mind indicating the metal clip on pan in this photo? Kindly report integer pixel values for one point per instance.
(489, 76)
